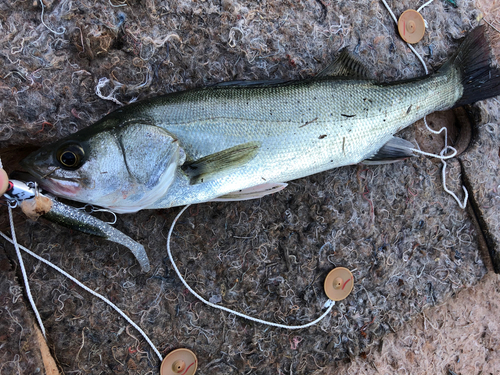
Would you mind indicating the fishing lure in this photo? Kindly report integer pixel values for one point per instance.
(36, 204)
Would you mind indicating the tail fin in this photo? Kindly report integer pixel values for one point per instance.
(480, 80)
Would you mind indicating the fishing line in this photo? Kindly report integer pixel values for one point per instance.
(441, 155)
(423, 6)
(83, 286)
(328, 303)
(23, 271)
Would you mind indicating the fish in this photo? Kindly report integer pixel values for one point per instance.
(246, 139)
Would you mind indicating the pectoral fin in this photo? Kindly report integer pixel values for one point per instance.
(253, 192)
(395, 150)
(211, 166)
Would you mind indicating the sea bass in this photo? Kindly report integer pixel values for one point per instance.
(242, 140)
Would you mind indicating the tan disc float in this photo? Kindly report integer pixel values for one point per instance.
(411, 26)
(339, 284)
(179, 361)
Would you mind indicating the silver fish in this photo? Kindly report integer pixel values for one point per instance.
(243, 140)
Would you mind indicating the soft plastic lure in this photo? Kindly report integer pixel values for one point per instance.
(35, 204)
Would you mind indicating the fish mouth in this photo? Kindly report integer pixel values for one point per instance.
(62, 190)
(60, 186)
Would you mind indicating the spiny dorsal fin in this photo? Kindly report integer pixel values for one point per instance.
(396, 149)
(208, 167)
(345, 65)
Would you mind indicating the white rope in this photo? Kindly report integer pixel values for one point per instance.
(423, 6)
(419, 57)
(23, 271)
(462, 205)
(441, 157)
(116, 308)
(444, 157)
(330, 305)
(390, 12)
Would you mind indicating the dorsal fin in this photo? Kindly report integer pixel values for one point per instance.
(345, 65)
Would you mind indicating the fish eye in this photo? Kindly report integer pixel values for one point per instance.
(70, 156)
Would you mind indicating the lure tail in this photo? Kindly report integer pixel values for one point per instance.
(480, 80)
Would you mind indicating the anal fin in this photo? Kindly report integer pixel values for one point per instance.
(213, 165)
(396, 149)
(253, 192)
